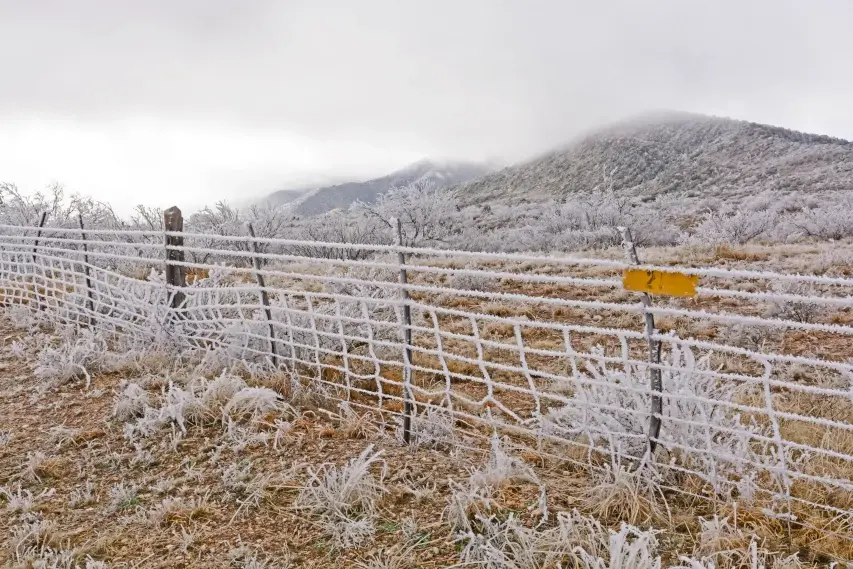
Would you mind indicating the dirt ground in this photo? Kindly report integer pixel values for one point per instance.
(62, 448)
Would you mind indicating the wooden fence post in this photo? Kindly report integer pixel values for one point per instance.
(265, 299)
(42, 220)
(407, 334)
(656, 382)
(176, 275)
(90, 303)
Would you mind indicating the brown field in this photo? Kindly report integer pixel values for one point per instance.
(182, 514)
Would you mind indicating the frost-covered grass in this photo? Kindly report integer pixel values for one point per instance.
(343, 499)
(217, 418)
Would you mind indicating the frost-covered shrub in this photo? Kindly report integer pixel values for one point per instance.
(797, 310)
(200, 400)
(829, 221)
(611, 403)
(734, 227)
(252, 403)
(72, 359)
(749, 336)
(466, 281)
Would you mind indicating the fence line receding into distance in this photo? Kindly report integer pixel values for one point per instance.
(755, 400)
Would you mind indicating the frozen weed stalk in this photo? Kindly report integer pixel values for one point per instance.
(343, 499)
(72, 359)
(544, 349)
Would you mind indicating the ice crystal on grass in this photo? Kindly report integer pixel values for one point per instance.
(72, 359)
(343, 499)
(61, 435)
(252, 403)
(39, 465)
(17, 500)
(131, 402)
(123, 496)
(474, 498)
(83, 495)
(501, 544)
(629, 548)
(610, 408)
(48, 558)
(243, 558)
(432, 428)
(177, 510)
(33, 534)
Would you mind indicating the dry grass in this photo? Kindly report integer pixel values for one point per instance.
(170, 522)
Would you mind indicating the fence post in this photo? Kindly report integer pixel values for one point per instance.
(42, 220)
(176, 275)
(265, 299)
(654, 346)
(90, 304)
(407, 335)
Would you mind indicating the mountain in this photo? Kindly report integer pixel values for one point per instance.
(678, 153)
(341, 196)
(283, 197)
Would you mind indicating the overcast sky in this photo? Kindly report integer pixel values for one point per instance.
(190, 101)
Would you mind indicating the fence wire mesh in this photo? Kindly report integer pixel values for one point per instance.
(757, 389)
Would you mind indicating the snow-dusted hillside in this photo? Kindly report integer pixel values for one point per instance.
(341, 196)
(677, 154)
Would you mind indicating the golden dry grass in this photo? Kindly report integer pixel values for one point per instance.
(320, 436)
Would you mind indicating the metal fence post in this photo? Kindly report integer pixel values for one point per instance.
(90, 303)
(656, 382)
(265, 299)
(176, 275)
(42, 220)
(407, 336)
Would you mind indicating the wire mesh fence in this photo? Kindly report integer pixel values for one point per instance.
(755, 403)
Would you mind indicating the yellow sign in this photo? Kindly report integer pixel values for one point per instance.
(660, 282)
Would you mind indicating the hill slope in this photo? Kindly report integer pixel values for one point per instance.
(341, 196)
(677, 153)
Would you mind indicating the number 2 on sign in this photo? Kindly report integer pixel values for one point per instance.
(660, 282)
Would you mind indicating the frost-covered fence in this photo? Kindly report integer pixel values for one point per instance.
(756, 397)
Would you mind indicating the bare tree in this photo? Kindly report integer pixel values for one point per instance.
(428, 216)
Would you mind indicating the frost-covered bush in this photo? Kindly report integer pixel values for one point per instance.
(829, 221)
(465, 281)
(428, 216)
(76, 354)
(199, 400)
(252, 403)
(610, 407)
(749, 336)
(581, 221)
(798, 310)
(734, 226)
